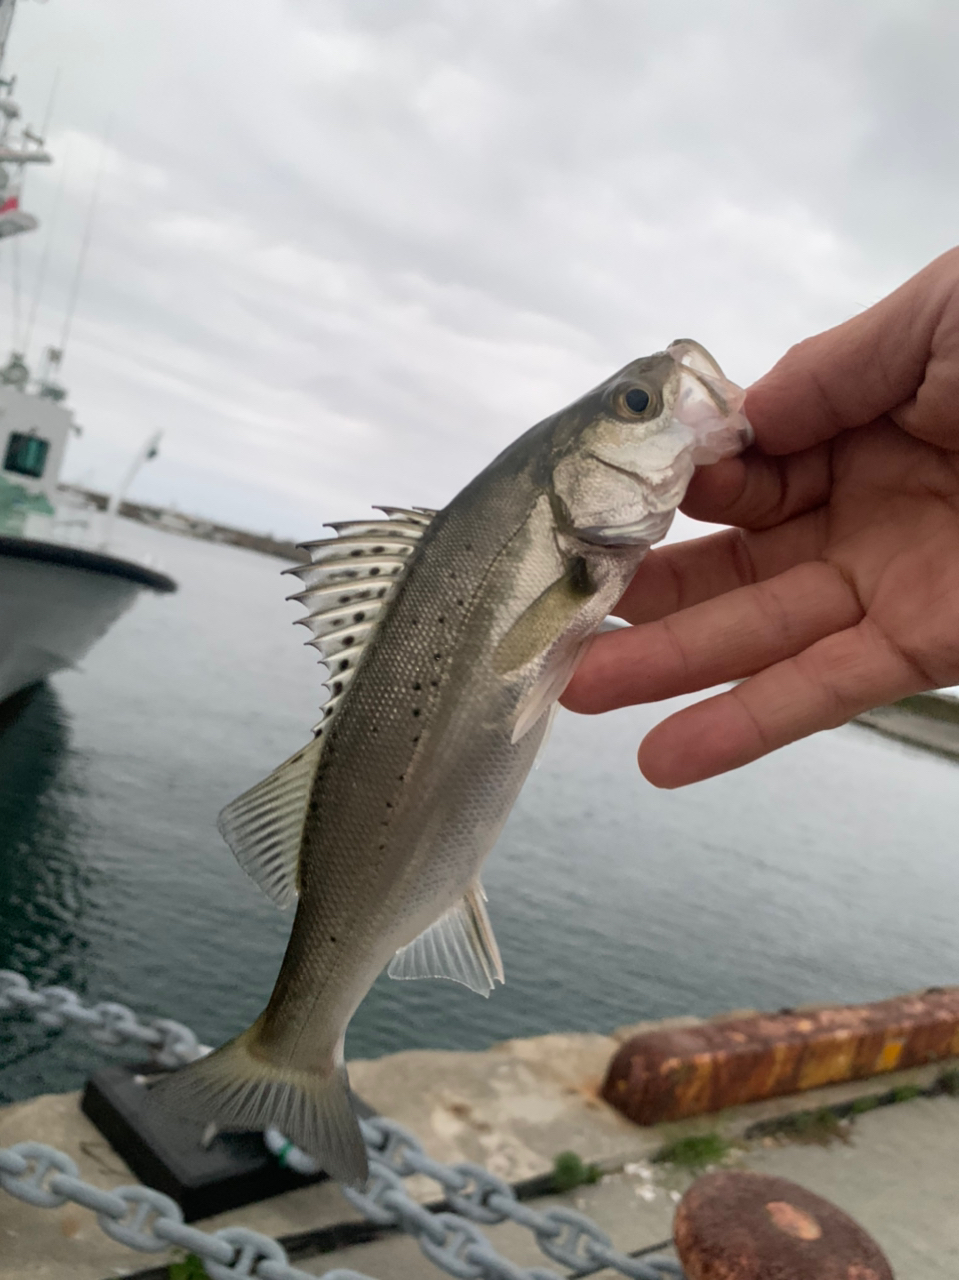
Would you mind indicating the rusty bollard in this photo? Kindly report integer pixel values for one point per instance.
(674, 1073)
(748, 1226)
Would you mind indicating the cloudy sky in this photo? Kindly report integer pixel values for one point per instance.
(346, 249)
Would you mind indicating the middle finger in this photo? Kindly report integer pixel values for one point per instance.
(726, 638)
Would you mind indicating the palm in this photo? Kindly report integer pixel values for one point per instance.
(838, 587)
(838, 591)
(891, 528)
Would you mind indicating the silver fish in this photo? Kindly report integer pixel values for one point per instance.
(448, 637)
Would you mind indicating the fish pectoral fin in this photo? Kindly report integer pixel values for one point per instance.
(264, 826)
(539, 630)
(459, 945)
(553, 679)
(545, 621)
(547, 731)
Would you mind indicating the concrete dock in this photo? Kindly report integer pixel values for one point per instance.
(928, 720)
(513, 1108)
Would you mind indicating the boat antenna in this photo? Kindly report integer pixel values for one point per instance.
(16, 293)
(45, 257)
(45, 128)
(6, 17)
(87, 236)
(148, 451)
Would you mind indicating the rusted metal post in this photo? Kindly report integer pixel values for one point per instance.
(668, 1075)
(748, 1226)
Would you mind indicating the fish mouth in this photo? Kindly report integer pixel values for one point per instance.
(644, 531)
(709, 404)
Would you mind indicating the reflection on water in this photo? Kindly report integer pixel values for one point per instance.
(827, 872)
(42, 885)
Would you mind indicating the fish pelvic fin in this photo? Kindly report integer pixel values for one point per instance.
(460, 945)
(239, 1089)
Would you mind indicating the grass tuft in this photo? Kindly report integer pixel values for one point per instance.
(822, 1126)
(905, 1093)
(191, 1268)
(860, 1106)
(569, 1171)
(948, 1082)
(694, 1152)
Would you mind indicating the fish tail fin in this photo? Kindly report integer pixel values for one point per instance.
(241, 1089)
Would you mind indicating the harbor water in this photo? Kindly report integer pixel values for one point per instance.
(827, 872)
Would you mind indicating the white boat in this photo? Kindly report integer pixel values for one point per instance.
(61, 585)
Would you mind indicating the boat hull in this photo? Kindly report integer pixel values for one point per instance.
(56, 602)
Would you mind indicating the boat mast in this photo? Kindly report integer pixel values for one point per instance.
(6, 17)
(18, 147)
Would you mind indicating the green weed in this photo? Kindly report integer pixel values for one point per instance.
(569, 1172)
(949, 1082)
(822, 1126)
(694, 1152)
(860, 1106)
(905, 1093)
(191, 1268)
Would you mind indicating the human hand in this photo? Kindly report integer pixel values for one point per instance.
(837, 589)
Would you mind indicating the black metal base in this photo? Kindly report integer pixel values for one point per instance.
(166, 1152)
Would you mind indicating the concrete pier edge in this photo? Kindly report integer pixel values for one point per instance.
(513, 1108)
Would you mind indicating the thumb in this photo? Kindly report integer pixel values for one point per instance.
(874, 364)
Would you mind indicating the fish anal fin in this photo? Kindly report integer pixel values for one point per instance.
(460, 945)
(264, 826)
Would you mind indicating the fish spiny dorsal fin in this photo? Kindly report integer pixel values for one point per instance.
(348, 585)
(415, 515)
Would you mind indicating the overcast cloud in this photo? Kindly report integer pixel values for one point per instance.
(346, 251)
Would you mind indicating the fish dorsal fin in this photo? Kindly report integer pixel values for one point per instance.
(459, 945)
(264, 826)
(348, 585)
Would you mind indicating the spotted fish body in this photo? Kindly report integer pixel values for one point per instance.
(448, 637)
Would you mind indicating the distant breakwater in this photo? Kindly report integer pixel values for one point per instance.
(171, 521)
(929, 720)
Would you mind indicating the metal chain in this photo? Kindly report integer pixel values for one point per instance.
(149, 1221)
(169, 1043)
(563, 1234)
(145, 1219)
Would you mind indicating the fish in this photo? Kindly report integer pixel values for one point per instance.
(448, 637)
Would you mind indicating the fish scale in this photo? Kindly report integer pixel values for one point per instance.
(448, 637)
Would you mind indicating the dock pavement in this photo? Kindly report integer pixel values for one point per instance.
(513, 1108)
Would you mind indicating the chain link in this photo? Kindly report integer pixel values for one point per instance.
(47, 1178)
(478, 1196)
(169, 1043)
(145, 1219)
(28, 1184)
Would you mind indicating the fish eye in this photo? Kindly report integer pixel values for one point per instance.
(636, 400)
